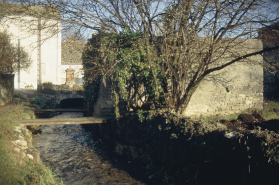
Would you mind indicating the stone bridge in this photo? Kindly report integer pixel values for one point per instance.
(64, 96)
(52, 98)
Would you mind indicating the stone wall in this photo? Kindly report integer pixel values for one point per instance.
(6, 88)
(235, 88)
(271, 77)
(270, 38)
(105, 104)
(105, 107)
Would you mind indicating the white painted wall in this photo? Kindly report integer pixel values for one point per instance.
(51, 54)
(25, 30)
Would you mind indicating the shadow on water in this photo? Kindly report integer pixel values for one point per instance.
(135, 169)
(72, 103)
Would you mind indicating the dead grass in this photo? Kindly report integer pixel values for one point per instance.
(270, 111)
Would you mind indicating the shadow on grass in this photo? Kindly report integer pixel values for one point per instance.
(160, 150)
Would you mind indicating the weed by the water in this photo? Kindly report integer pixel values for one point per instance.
(270, 110)
(14, 167)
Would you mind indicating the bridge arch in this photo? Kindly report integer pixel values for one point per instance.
(72, 103)
(65, 98)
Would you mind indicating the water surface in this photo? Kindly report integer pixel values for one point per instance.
(72, 154)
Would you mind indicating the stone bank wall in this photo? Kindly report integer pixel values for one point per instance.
(270, 38)
(6, 88)
(237, 88)
(233, 89)
(105, 104)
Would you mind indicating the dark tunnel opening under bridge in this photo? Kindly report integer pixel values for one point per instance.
(72, 103)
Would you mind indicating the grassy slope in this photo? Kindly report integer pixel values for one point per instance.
(14, 169)
(269, 112)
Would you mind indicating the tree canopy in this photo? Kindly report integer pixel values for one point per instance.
(12, 57)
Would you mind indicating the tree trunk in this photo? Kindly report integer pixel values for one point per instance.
(185, 100)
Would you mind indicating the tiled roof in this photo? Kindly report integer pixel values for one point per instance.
(72, 51)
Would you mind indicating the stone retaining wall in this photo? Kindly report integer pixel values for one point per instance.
(23, 144)
(105, 104)
(270, 38)
(233, 89)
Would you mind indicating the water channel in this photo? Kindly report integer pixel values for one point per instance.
(72, 153)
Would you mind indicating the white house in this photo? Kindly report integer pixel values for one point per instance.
(38, 30)
(72, 59)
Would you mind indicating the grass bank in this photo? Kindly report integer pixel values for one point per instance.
(270, 111)
(16, 168)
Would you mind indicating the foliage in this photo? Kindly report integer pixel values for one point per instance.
(270, 144)
(132, 74)
(49, 88)
(270, 110)
(9, 55)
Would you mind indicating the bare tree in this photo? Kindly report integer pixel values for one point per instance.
(202, 37)
(196, 37)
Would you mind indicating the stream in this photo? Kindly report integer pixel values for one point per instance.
(72, 153)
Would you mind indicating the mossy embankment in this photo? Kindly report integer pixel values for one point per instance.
(176, 150)
(19, 161)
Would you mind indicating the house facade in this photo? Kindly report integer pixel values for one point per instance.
(38, 31)
(72, 60)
